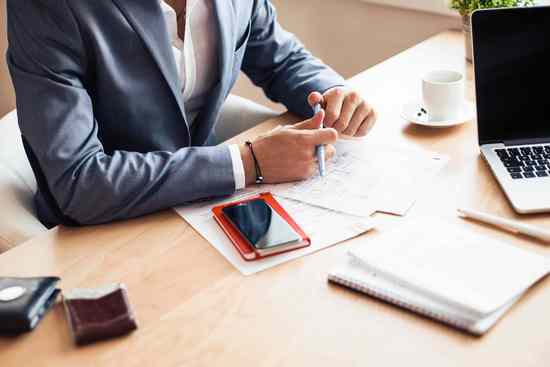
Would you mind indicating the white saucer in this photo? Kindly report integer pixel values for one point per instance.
(411, 110)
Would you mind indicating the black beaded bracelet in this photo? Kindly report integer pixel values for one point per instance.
(259, 176)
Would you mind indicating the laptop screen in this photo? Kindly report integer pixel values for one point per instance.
(512, 72)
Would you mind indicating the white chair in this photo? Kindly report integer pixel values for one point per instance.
(17, 187)
(239, 114)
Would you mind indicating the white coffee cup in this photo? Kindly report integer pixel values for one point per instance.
(443, 94)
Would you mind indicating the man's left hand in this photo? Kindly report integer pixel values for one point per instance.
(346, 111)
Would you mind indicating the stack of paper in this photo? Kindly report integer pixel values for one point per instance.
(361, 179)
(452, 275)
(324, 227)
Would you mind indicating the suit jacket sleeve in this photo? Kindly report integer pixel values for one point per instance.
(276, 61)
(48, 62)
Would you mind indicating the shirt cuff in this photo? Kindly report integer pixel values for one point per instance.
(238, 167)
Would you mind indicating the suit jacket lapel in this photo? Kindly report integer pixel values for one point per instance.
(148, 21)
(226, 18)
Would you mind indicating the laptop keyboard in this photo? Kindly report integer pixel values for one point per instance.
(526, 162)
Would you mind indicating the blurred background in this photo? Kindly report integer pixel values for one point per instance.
(349, 35)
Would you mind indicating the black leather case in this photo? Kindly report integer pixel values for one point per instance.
(23, 313)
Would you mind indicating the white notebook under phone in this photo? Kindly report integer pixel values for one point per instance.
(447, 273)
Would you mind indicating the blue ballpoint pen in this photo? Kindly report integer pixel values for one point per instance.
(320, 150)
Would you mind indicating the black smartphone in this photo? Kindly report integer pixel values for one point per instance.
(265, 230)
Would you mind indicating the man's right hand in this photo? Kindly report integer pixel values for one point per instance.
(288, 154)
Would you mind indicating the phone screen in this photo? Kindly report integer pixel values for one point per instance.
(262, 226)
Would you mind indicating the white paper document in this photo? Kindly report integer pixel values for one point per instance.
(325, 228)
(363, 178)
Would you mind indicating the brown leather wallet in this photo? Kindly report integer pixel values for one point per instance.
(98, 314)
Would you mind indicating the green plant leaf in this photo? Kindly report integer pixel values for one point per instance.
(466, 7)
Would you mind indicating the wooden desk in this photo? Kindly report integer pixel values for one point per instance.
(194, 309)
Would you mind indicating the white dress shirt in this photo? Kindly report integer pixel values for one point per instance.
(196, 59)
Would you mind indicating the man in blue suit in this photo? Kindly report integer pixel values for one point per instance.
(119, 102)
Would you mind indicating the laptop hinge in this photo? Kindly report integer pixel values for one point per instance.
(526, 141)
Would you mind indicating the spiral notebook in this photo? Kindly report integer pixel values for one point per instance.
(449, 274)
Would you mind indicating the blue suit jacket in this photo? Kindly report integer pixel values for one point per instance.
(100, 109)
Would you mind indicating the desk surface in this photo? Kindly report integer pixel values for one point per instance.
(195, 309)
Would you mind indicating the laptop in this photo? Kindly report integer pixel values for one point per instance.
(512, 80)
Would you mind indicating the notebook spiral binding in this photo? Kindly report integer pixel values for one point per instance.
(394, 299)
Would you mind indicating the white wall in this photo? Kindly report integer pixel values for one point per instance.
(434, 6)
(352, 35)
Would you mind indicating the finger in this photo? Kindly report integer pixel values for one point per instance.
(359, 117)
(322, 137)
(367, 126)
(330, 152)
(311, 170)
(351, 102)
(276, 128)
(311, 124)
(315, 98)
(334, 101)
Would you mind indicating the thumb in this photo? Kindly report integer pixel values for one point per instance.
(315, 98)
(313, 123)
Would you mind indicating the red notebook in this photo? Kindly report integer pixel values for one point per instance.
(243, 246)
